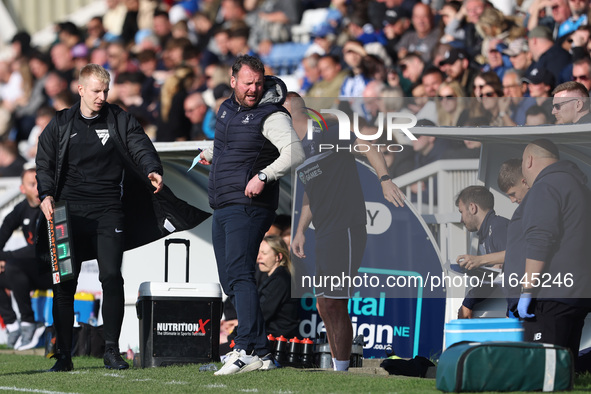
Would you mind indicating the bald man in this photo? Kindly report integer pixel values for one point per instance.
(555, 295)
(195, 110)
(571, 103)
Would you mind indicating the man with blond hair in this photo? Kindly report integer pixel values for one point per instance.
(82, 157)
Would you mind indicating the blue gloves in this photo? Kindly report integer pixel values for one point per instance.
(523, 306)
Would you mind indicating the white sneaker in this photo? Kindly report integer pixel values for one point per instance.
(38, 331)
(268, 362)
(238, 361)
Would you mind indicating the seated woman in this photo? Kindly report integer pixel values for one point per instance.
(279, 309)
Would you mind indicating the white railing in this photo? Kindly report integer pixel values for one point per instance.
(452, 176)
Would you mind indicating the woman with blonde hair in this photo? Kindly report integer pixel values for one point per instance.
(450, 103)
(279, 309)
(173, 125)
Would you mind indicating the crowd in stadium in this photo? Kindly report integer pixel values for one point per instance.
(169, 60)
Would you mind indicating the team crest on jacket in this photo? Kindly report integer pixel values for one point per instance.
(247, 118)
(103, 135)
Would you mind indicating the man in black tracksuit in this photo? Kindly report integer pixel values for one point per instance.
(82, 157)
(556, 222)
(23, 271)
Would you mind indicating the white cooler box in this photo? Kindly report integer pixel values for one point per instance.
(179, 323)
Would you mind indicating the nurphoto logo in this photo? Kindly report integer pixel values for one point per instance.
(393, 121)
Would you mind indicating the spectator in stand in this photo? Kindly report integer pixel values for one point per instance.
(114, 17)
(582, 72)
(162, 27)
(118, 59)
(201, 30)
(571, 103)
(360, 29)
(311, 72)
(446, 14)
(514, 89)
(68, 34)
(421, 106)
(173, 125)
(28, 148)
(130, 23)
(354, 84)
(326, 90)
(63, 61)
(580, 42)
(231, 11)
(219, 46)
(11, 163)
(540, 83)
(271, 22)
(323, 38)
(55, 83)
(545, 53)
(463, 26)
(238, 40)
(195, 110)
(20, 269)
(11, 86)
(412, 66)
(394, 28)
(450, 104)
(423, 38)
(495, 104)
(431, 79)
(536, 115)
(519, 54)
(456, 66)
(279, 309)
(95, 33)
(21, 45)
(579, 10)
(560, 13)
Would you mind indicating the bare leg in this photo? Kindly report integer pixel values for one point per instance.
(335, 315)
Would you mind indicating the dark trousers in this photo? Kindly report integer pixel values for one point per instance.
(237, 232)
(21, 277)
(97, 232)
(556, 323)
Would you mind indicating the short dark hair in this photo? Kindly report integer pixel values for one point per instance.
(252, 62)
(509, 174)
(572, 86)
(478, 195)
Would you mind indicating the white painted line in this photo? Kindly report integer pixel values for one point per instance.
(13, 388)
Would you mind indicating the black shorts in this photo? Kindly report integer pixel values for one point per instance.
(338, 258)
(556, 323)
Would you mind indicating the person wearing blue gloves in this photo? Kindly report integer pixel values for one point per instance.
(556, 222)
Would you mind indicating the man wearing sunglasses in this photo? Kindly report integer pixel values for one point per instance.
(571, 103)
(582, 72)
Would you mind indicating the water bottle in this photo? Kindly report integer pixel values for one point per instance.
(294, 352)
(281, 349)
(307, 353)
(92, 320)
(208, 367)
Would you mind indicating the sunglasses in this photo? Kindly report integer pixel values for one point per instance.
(558, 106)
(580, 77)
(448, 97)
(488, 94)
(479, 86)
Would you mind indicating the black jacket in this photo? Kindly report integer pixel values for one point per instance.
(145, 212)
(557, 224)
(279, 309)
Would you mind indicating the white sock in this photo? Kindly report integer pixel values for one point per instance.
(12, 327)
(341, 365)
(27, 324)
(334, 363)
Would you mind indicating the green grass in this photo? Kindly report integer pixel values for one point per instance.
(26, 373)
